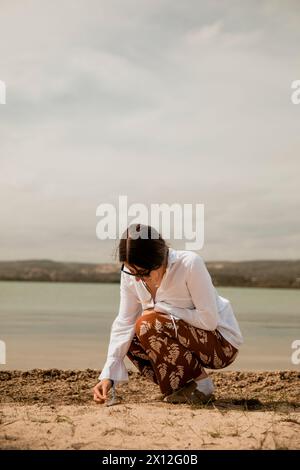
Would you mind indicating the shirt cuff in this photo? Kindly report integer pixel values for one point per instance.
(114, 369)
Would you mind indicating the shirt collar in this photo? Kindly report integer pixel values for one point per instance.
(172, 257)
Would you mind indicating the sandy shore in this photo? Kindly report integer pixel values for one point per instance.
(53, 409)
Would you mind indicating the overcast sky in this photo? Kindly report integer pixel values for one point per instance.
(163, 101)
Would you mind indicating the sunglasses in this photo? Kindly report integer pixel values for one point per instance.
(138, 274)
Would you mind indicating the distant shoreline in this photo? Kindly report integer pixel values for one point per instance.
(257, 273)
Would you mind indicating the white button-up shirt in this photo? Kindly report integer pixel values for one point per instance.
(186, 292)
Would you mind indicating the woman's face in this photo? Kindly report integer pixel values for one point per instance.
(151, 277)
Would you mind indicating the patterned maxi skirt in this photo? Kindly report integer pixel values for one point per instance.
(171, 356)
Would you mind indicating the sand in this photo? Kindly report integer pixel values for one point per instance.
(53, 409)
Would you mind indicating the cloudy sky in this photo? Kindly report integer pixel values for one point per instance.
(164, 101)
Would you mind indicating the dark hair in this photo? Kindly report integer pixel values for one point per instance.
(142, 246)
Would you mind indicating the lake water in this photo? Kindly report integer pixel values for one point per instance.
(66, 325)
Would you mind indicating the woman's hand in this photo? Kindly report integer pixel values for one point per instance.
(101, 390)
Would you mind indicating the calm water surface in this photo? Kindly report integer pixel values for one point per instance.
(67, 325)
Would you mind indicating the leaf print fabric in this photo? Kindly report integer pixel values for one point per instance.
(173, 353)
(188, 356)
(169, 360)
(145, 326)
(183, 340)
(202, 335)
(217, 361)
(158, 326)
(162, 369)
(155, 343)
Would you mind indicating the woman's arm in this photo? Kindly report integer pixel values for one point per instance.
(202, 291)
(122, 332)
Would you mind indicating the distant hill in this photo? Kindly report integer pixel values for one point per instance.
(47, 270)
(283, 273)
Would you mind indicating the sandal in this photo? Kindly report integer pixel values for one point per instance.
(199, 398)
(182, 394)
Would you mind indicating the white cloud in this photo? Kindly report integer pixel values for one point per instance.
(163, 101)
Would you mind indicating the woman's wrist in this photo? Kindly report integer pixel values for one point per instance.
(111, 380)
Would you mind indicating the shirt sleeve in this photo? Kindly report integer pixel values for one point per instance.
(203, 294)
(122, 333)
